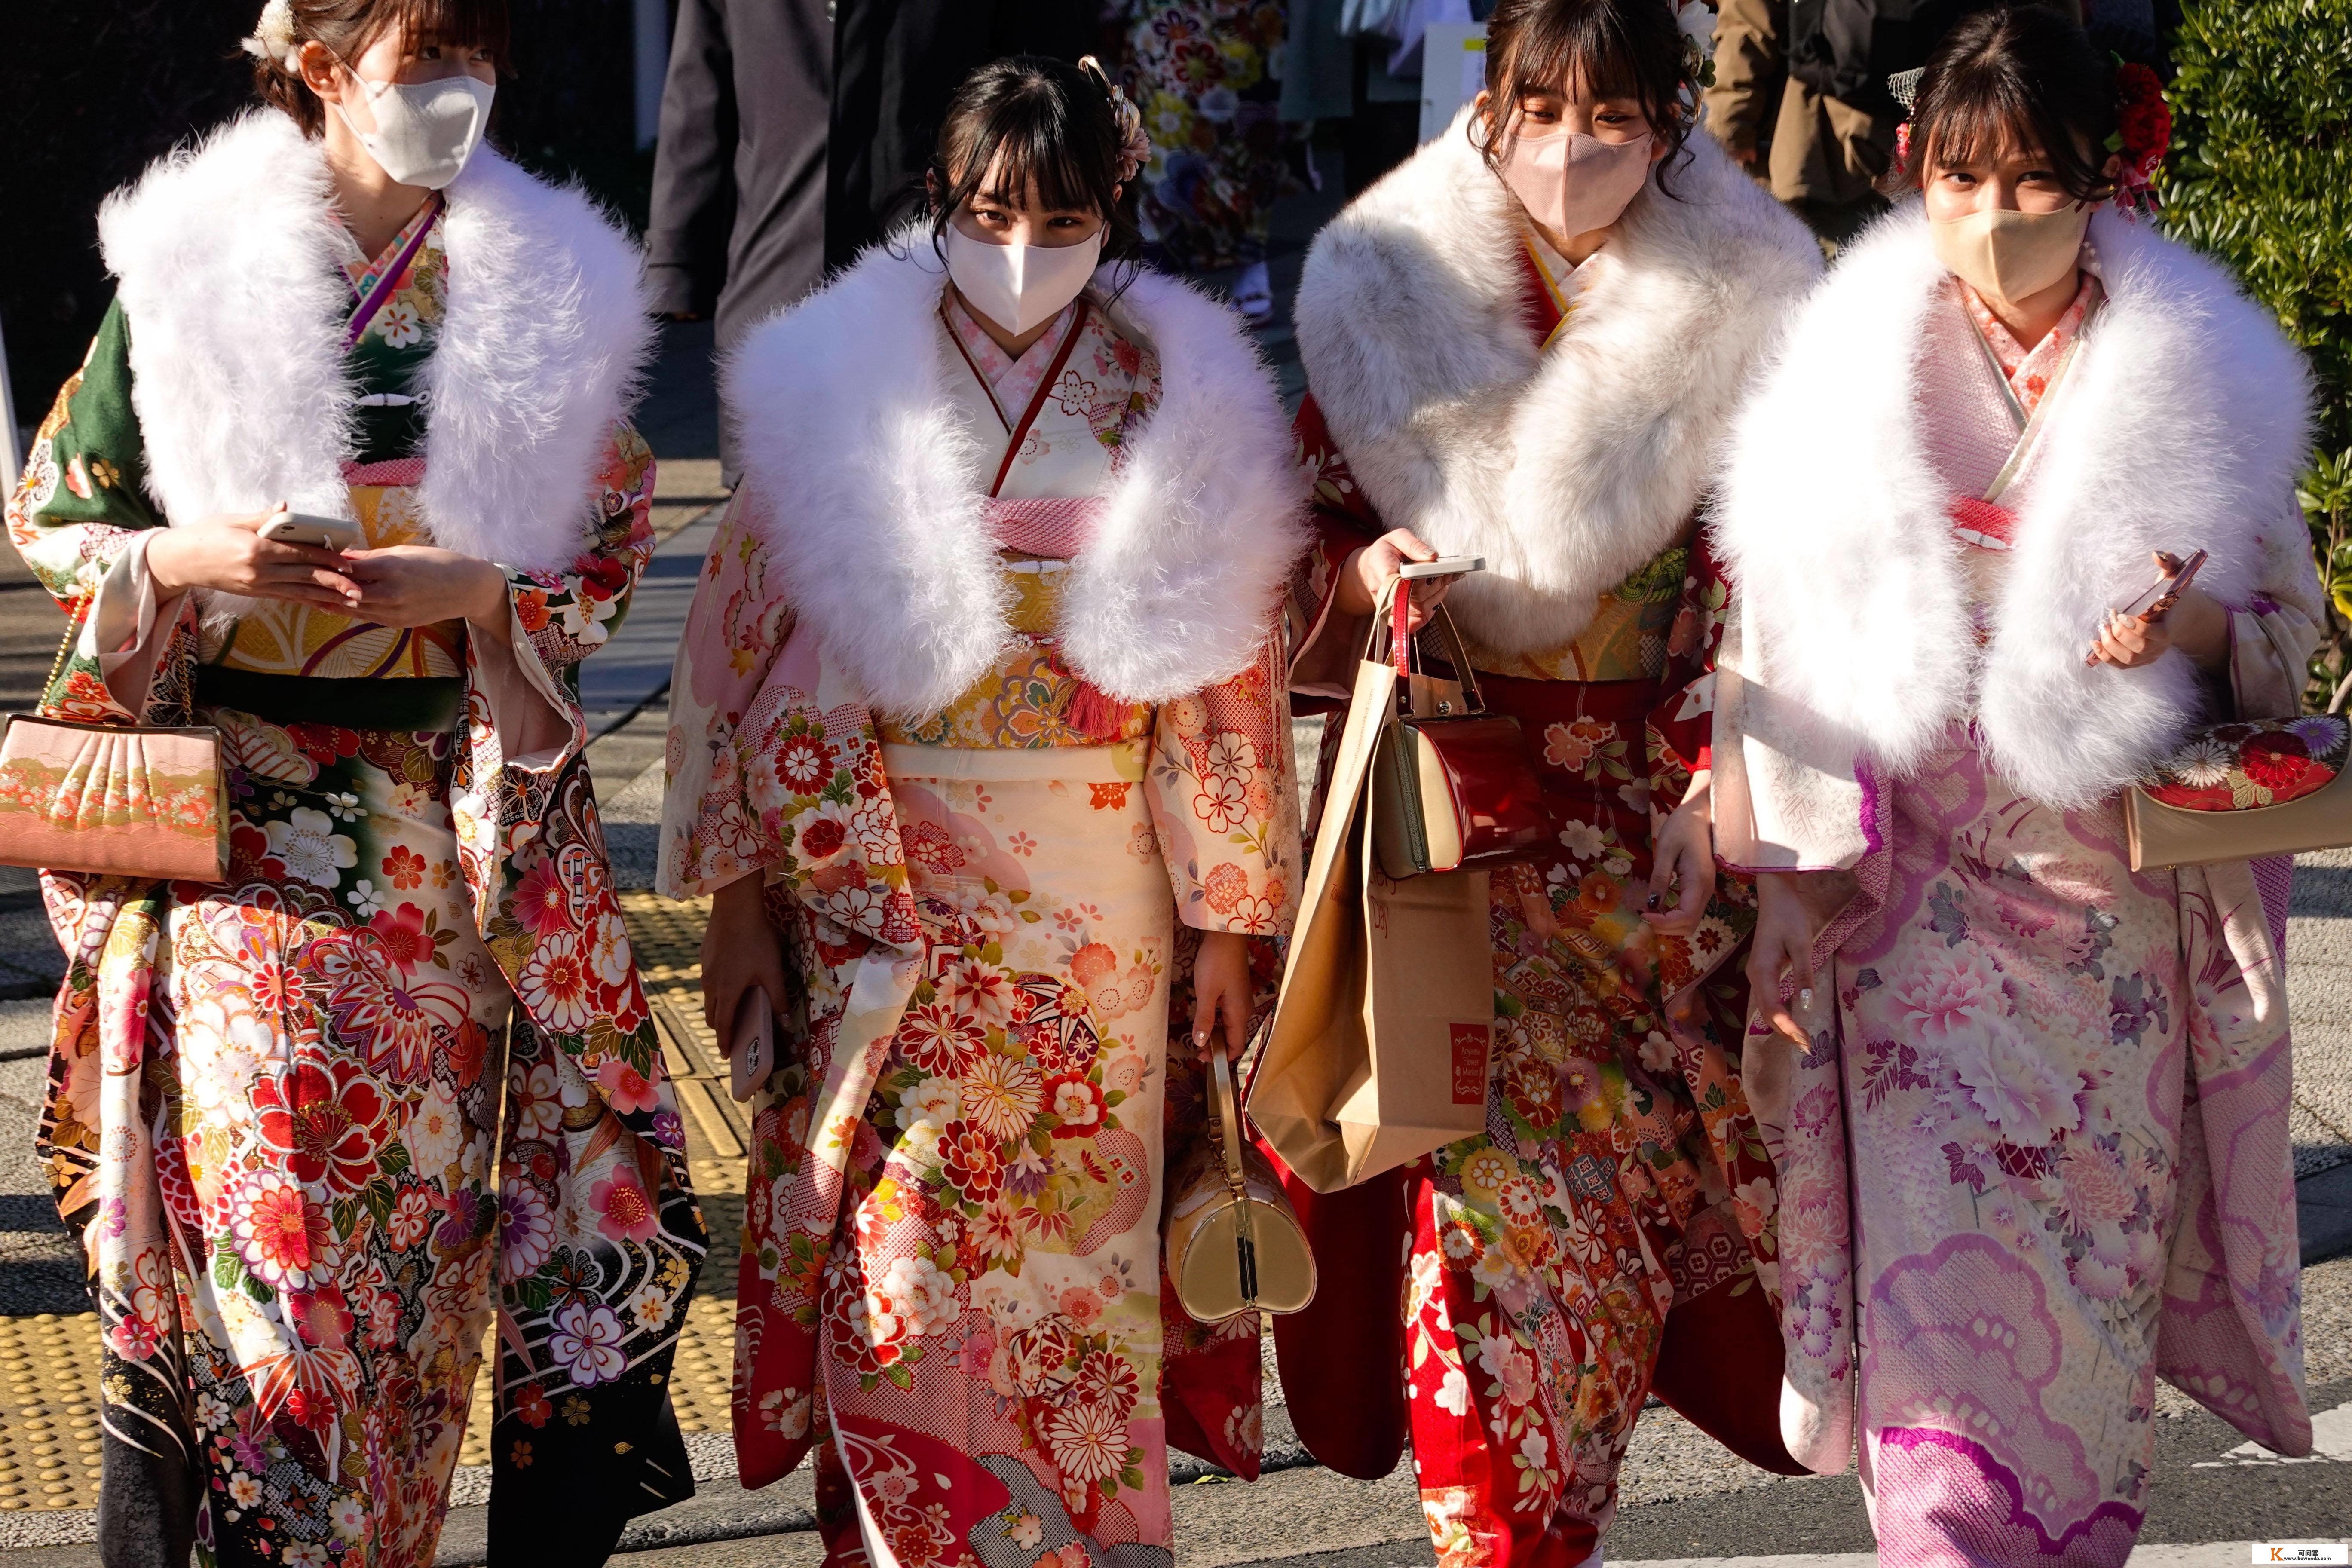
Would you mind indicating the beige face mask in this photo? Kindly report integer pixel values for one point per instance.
(2012, 255)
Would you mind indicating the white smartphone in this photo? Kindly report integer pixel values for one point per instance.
(321, 532)
(754, 1056)
(1444, 566)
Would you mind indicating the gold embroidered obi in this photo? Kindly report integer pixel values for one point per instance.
(1024, 703)
(281, 637)
(1626, 638)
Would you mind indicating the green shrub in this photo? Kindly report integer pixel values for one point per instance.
(2261, 177)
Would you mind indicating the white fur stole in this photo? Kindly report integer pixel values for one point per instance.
(869, 482)
(226, 266)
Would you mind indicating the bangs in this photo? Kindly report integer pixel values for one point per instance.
(1017, 156)
(452, 23)
(1579, 54)
(1978, 126)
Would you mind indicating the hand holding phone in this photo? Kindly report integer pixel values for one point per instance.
(751, 1056)
(1444, 566)
(2150, 603)
(336, 533)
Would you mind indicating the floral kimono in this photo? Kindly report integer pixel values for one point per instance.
(2067, 1080)
(273, 1101)
(979, 677)
(1609, 1234)
(1207, 74)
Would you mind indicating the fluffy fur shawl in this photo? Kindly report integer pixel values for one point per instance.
(1568, 471)
(2187, 418)
(226, 270)
(869, 482)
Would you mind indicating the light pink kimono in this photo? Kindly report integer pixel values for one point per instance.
(2038, 1154)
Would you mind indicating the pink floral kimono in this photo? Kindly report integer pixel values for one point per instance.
(324, 1123)
(996, 785)
(2036, 1155)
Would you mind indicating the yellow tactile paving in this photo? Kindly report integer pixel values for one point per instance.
(48, 1411)
(48, 1364)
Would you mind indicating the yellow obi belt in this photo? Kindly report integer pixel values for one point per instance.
(1026, 702)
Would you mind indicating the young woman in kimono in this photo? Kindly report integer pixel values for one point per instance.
(272, 1101)
(979, 731)
(2066, 1080)
(1526, 344)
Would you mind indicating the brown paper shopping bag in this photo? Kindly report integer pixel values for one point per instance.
(1380, 1038)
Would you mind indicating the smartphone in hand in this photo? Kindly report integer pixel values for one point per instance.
(2151, 602)
(336, 533)
(753, 1057)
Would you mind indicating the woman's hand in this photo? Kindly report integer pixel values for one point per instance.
(416, 584)
(1685, 853)
(1221, 990)
(1366, 574)
(2195, 624)
(741, 950)
(226, 552)
(1783, 945)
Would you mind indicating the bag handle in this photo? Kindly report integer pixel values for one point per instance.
(74, 619)
(1390, 616)
(1227, 1133)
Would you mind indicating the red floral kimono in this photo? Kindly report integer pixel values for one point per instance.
(1602, 1240)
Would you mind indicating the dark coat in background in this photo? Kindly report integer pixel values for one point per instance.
(792, 130)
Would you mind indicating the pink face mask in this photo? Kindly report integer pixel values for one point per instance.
(1573, 183)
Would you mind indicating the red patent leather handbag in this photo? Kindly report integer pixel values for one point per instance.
(1451, 784)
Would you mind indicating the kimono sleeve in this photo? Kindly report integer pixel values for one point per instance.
(80, 517)
(556, 619)
(2274, 633)
(1224, 801)
(1682, 726)
(1324, 642)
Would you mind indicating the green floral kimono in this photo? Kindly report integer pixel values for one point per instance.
(321, 1125)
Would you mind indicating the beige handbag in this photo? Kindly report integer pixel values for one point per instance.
(127, 800)
(2237, 792)
(1233, 1244)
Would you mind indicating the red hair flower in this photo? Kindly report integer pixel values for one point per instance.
(2142, 132)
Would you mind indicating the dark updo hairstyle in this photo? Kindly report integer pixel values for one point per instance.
(1030, 123)
(348, 27)
(2016, 74)
(1612, 48)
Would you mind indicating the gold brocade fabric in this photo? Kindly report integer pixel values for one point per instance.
(1625, 640)
(280, 637)
(1024, 703)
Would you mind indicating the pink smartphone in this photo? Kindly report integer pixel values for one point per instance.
(754, 1056)
(2156, 597)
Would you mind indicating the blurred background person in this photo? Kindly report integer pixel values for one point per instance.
(1801, 97)
(793, 132)
(1208, 76)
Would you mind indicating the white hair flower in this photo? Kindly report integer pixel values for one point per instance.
(273, 34)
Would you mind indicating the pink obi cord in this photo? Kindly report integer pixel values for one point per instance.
(1057, 528)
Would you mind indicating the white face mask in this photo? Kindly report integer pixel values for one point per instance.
(424, 131)
(1573, 183)
(1019, 286)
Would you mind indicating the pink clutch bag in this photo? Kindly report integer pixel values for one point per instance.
(131, 800)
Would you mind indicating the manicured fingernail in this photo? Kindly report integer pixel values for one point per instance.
(1654, 901)
(1805, 997)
